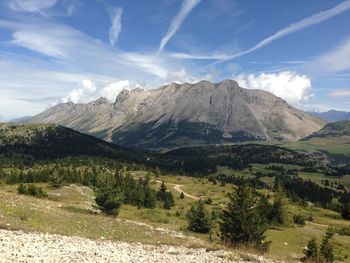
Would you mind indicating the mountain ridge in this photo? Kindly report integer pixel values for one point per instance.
(331, 115)
(178, 114)
(333, 129)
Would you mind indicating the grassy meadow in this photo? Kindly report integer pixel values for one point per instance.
(71, 210)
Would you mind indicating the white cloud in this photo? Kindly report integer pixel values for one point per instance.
(292, 87)
(336, 60)
(111, 91)
(84, 93)
(340, 94)
(300, 25)
(88, 91)
(116, 27)
(186, 7)
(31, 6)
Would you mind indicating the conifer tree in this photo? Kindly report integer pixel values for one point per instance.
(326, 248)
(199, 219)
(162, 192)
(241, 222)
(168, 200)
(265, 209)
(182, 196)
(150, 197)
(109, 200)
(277, 210)
(345, 211)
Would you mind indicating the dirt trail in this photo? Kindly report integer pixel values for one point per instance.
(316, 224)
(177, 188)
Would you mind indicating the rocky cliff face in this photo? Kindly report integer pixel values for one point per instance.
(176, 115)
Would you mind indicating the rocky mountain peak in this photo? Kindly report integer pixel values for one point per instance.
(100, 101)
(178, 114)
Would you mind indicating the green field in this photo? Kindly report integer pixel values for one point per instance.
(333, 145)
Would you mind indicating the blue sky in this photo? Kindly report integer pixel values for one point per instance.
(78, 50)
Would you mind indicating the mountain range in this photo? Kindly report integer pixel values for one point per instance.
(331, 115)
(185, 114)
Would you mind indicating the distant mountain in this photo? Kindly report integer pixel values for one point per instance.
(334, 129)
(188, 114)
(21, 119)
(332, 115)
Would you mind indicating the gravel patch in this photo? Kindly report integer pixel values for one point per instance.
(19, 246)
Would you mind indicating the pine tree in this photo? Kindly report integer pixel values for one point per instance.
(109, 201)
(326, 248)
(199, 219)
(162, 192)
(168, 200)
(277, 210)
(241, 222)
(345, 212)
(265, 209)
(56, 179)
(182, 196)
(157, 171)
(150, 197)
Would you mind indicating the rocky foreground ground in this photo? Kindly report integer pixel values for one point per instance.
(19, 246)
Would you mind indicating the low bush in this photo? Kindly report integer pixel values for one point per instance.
(299, 220)
(32, 190)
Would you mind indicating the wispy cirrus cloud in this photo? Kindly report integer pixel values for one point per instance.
(71, 6)
(335, 60)
(295, 27)
(186, 7)
(213, 56)
(69, 58)
(44, 8)
(72, 47)
(115, 14)
(31, 6)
